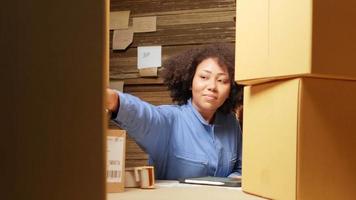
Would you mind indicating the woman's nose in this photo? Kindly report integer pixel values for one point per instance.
(212, 85)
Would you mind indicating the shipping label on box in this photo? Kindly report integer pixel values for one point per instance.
(115, 160)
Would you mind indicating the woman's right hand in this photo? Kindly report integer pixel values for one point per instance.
(112, 100)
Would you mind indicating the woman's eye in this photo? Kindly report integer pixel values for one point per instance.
(222, 81)
(203, 77)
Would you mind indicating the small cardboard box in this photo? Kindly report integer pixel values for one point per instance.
(115, 160)
(287, 38)
(142, 177)
(300, 139)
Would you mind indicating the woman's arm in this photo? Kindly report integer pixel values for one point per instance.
(147, 124)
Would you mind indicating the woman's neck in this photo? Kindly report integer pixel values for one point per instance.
(207, 115)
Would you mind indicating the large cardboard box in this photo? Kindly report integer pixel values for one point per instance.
(299, 139)
(285, 38)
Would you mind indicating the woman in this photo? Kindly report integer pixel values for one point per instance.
(200, 136)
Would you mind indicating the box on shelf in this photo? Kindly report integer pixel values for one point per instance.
(115, 160)
(299, 139)
(286, 38)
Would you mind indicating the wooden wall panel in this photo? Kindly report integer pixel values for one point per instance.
(154, 6)
(181, 25)
(123, 63)
(182, 34)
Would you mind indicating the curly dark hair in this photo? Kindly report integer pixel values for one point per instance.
(178, 73)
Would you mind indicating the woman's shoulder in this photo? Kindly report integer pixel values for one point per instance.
(170, 107)
(174, 109)
(228, 118)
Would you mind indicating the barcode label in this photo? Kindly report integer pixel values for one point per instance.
(113, 174)
(115, 150)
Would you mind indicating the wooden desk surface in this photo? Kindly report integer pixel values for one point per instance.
(173, 190)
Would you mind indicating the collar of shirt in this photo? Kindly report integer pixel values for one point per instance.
(217, 120)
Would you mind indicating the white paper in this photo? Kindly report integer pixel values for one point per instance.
(115, 150)
(149, 56)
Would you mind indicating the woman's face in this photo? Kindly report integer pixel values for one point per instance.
(210, 87)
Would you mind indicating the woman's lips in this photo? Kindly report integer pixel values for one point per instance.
(210, 97)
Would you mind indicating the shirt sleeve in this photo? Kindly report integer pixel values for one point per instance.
(147, 124)
(237, 171)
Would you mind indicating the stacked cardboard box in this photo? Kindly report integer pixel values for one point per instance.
(297, 58)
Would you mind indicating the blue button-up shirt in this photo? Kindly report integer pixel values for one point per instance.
(179, 141)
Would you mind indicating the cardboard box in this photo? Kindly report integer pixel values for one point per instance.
(286, 38)
(115, 160)
(142, 177)
(299, 139)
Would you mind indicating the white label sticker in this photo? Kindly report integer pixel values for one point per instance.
(115, 149)
(149, 56)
